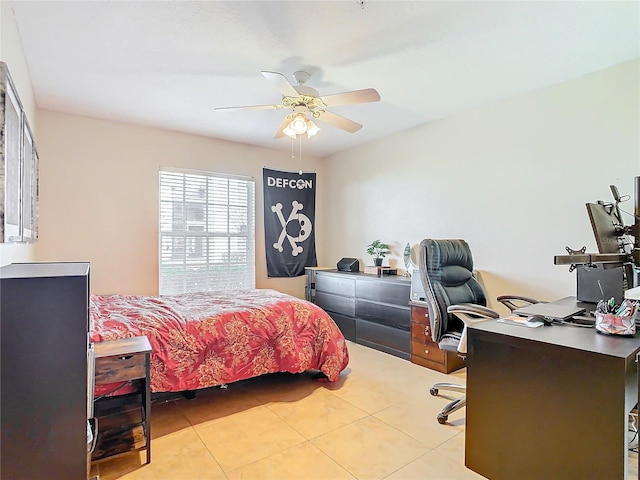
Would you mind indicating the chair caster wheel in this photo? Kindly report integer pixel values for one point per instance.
(442, 419)
(433, 391)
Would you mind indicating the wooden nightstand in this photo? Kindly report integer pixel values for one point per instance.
(424, 351)
(124, 421)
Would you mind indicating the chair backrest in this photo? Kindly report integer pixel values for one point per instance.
(446, 271)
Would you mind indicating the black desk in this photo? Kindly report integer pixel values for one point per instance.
(549, 402)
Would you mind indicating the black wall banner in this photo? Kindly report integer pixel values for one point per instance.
(289, 218)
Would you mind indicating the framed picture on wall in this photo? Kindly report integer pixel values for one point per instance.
(29, 184)
(11, 139)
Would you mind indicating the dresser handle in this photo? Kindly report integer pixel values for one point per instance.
(426, 352)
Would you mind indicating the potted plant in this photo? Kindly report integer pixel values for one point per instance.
(378, 250)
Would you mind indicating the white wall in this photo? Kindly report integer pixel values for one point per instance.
(511, 178)
(11, 53)
(99, 195)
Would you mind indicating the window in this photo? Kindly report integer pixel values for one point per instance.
(207, 232)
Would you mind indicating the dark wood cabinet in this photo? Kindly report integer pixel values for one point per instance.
(44, 311)
(424, 351)
(310, 286)
(124, 421)
(370, 310)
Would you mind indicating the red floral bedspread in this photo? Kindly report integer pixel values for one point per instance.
(205, 339)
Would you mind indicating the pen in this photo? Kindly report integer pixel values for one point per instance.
(601, 307)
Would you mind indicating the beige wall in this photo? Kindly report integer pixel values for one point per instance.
(99, 195)
(511, 178)
(11, 53)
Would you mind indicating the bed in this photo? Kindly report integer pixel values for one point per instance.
(206, 339)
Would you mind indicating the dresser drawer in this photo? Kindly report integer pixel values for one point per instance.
(432, 357)
(429, 352)
(389, 315)
(120, 368)
(347, 325)
(336, 303)
(391, 340)
(385, 292)
(339, 285)
(423, 362)
(419, 315)
(418, 333)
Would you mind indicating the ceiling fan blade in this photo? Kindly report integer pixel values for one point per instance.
(279, 132)
(251, 107)
(348, 98)
(339, 121)
(281, 83)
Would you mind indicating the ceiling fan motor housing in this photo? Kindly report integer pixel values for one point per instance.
(308, 91)
(301, 76)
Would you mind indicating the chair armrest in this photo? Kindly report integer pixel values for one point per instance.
(470, 313)
(515, 301)
(471, 309)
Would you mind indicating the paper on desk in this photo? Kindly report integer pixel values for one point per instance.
(521, 321)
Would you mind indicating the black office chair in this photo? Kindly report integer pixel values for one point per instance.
(454, 300)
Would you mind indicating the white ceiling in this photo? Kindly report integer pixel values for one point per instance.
(169, 64)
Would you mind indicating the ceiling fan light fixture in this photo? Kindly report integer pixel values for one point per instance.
(312, 129)
(299, 123)
(288, 132)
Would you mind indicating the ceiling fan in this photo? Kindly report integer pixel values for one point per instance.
(305, 101)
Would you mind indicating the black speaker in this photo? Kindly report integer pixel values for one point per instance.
(349, 265)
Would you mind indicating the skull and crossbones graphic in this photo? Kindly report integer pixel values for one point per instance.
(303, 220)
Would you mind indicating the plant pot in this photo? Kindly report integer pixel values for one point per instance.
(378, 261)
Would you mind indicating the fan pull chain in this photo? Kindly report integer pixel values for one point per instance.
(300, 143)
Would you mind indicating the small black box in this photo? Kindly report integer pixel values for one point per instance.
(349, 265)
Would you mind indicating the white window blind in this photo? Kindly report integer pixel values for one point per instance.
(207, 232)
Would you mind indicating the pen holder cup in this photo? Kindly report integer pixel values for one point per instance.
(611, 324)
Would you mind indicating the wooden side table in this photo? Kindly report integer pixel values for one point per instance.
(424, 351)
(124, 421)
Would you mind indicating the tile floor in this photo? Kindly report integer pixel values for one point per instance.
(377, 422)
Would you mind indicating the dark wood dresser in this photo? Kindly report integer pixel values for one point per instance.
(370, 310)
(424, 351)
(44, 309)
